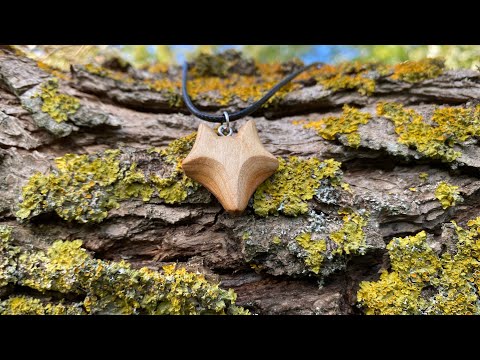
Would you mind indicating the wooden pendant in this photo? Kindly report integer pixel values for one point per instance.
(230, 167)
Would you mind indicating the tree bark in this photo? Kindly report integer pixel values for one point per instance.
(257, 256)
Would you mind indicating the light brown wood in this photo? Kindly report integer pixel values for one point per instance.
(231, 167)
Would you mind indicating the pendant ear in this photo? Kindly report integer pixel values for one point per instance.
(206, 132)
(248, 131)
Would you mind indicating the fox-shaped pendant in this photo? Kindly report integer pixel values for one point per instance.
(230, 167)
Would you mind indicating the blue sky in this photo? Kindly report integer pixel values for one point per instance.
(324, 53)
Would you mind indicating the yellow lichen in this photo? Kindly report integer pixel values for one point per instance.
(176, 187)
(434, 138)
(208, 81)
(222, 78)
(447, 194)
(412, 189)
(111, 287)
(331, 127)
(54, 71)
(84, 188)
(295, 182)
(7, 253)
(133, 184)
(158, 68)
(350, 238)
(345, 186)
(276, 240)
(314, 249)
(423, 282)
(348, 75)
(24, 305)
(58, 106)
(423, 176)
(416, 71)
(80, 188)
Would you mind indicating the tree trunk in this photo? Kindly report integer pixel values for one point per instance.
(310, 235)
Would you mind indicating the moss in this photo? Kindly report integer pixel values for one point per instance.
(295, 182)
(24, 305)
(416, 71)
(211, 65)
(84, 188)
(114, 287)
(435, 138)
(331, 127)
(423, 282)
(58, 106)
(315, 250)
(447, 194)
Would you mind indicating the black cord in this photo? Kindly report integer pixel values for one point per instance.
(239, 114)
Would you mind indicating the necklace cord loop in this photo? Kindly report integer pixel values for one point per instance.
(225, 129)
(242, 113)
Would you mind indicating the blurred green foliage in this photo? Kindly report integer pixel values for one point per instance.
(61, 56)
(456, 56)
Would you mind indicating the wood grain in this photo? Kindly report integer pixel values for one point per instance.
(230, 167)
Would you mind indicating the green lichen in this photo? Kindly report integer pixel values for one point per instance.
(447, 194)
(84, 188)
(58, 106)
(295, 182)
(315, 250)
(416, 71)
(422, 282)
(24, 305)
(331, 127)
(112, 287)
(349, 239)
(434, 138)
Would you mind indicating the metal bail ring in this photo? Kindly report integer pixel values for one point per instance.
(225, 126)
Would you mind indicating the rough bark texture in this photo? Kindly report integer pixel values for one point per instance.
(257, 256)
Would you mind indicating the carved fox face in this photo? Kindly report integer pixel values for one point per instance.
(230, 167)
